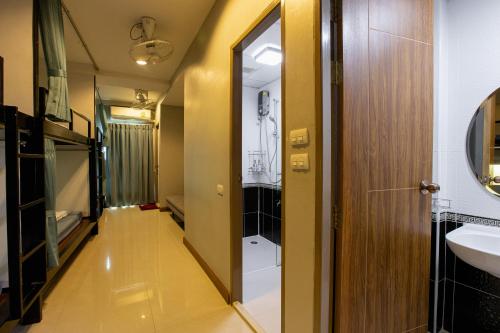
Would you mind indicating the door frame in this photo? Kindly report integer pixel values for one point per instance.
(268, 17)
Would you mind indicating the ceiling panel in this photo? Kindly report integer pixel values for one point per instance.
(257, 75)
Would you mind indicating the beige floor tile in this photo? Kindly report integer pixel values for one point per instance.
(136, 276)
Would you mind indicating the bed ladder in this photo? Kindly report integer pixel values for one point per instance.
(24, 161)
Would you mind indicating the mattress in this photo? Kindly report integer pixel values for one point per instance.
(67, 224)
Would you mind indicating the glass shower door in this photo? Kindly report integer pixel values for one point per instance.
(276, 176)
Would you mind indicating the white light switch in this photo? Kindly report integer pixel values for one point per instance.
(299, 137)
(299, 162)
(220, 190)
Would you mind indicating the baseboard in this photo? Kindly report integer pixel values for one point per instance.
(213, 277)
(247, 317)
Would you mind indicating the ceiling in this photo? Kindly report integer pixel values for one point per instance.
(123, 94)
(257, 75)
(105, 27)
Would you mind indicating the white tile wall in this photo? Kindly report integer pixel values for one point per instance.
(251, 130)
(467, 70)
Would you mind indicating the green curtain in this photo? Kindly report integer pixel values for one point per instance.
(101, 118)
(130, 158)
(52, 30)
(50, 203)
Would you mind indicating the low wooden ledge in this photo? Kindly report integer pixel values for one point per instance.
(213, 277)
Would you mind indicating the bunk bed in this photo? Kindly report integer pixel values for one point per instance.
(72, 235)
(176, 204)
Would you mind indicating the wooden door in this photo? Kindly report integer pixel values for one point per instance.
(383, 248)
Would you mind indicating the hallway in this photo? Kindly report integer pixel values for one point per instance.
(136, 276)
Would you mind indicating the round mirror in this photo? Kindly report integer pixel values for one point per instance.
(483, 143)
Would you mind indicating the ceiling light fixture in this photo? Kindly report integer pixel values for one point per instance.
(268, 54)
(141, 62)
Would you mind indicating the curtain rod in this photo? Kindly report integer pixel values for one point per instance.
(70, 18)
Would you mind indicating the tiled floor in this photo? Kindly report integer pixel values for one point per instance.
(136, 276)
(262, 282)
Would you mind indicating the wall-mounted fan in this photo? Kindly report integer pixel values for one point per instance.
(148, 50)
(142, 101)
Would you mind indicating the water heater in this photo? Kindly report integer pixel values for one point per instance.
(263, 104)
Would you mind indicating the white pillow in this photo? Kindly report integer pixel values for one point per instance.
(61, 214)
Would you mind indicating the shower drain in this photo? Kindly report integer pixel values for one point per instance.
(254, 242)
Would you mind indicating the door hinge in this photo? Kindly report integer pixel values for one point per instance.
(335, 11)
(337, 72)
(336, 217)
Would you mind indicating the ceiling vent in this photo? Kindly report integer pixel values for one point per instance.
(147, 50)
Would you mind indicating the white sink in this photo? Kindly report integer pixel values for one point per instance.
(478, 246)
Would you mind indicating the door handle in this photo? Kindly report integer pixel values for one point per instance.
(426, 188)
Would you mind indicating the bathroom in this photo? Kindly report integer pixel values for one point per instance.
(261, 178)
(464, 298)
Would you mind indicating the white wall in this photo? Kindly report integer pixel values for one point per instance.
(171, 153)
(81, 98)
(207, 117)
(72, 182)
(16, 47)
(251, 134)
(467, 71)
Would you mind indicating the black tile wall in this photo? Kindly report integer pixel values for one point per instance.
(470, 300)
(442, 250)
(262, 209)
(449, 294)
(436, 308)
(276, 231)
(440, 305)
(251, 199)
(250, 224)
(266, 226)
(475, 311)
(477, 279)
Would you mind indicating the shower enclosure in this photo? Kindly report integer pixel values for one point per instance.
(261, 175)
(262, 180)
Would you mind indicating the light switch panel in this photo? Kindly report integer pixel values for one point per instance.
(220, 190)
(299, 162)
(299, 137)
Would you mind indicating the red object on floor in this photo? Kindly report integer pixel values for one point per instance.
(148, 206)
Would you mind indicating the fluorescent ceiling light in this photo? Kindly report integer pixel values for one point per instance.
(268, 54)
